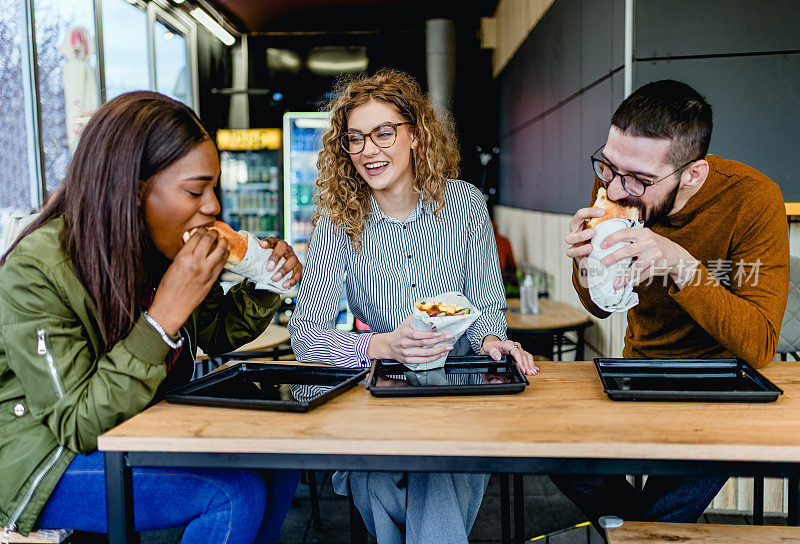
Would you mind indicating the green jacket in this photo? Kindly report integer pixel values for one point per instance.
(58, 390)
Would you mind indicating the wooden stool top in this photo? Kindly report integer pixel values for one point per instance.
(42, 536)
(552, 315)
(636, 532)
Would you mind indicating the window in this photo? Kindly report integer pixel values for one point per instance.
(15, 190)
(67, 66)
(173, 77)
(125, 48)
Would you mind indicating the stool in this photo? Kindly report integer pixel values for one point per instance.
(42, 536)
(637, 532)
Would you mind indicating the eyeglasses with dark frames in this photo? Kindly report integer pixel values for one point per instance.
(632, 184)
(384, 135)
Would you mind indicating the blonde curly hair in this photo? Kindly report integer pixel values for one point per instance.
(341, 194)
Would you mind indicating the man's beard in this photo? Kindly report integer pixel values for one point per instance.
(660, 210)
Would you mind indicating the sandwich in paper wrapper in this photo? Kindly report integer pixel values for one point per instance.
(450, 313)
(600, 279)
(247, 258)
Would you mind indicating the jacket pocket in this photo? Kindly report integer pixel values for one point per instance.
(45, 357)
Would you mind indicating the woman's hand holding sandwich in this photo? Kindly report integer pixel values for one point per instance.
(281, 249)
(189, 278)
(408, 345)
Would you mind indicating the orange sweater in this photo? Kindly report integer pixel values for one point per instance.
(735, 225)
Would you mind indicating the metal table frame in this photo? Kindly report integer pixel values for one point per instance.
(120, 494)
(528, 336)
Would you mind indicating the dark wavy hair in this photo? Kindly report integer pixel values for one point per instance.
(127, 141)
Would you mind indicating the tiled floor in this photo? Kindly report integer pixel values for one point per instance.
(547, 512)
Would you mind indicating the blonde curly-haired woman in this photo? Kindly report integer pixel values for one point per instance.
(392, 226)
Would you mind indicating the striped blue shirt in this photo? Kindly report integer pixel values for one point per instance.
(400, 263)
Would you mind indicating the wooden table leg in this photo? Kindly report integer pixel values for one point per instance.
(119, 500)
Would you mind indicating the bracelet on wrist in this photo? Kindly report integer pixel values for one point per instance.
(174, 344)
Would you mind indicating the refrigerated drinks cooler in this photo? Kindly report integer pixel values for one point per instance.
(250, 180)
(302, 141)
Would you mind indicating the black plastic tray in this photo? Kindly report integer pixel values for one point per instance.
(730, 380)
(264, 386)
(461, 375)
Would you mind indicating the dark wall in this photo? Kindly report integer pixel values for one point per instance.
(559, 91)
(745, 60)
(556, 96)
(213, 72)
(305, 91)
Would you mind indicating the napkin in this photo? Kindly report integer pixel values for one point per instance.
(453, 324)
(601, 278)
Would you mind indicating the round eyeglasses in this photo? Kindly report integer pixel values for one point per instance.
(632, 184)
(383, 136)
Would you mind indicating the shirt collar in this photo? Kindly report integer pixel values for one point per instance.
(377, 215)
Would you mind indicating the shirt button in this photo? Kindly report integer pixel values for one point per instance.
(413, 285)
(404, 227)
(19, 409)
(409, 255)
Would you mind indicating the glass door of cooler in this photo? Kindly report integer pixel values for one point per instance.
(250, 160)
(302, 142)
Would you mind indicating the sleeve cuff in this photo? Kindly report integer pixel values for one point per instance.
(145, 343)
(362, 341)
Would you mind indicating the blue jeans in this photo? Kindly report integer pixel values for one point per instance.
(216, 505)
(664, 498)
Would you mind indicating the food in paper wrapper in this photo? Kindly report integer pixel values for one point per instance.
(613, 210)
(247, 258)
(440, 309)
(453, 314)
(601, 278)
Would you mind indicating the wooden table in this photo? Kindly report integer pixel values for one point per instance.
(268, 344)
(544, 332)
(562, 423)
(272, 337)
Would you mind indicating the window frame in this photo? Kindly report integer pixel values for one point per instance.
(154, 9)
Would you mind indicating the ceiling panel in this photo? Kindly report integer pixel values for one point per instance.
(344, 15)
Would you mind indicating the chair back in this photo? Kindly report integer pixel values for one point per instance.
(15, 224)
(789, 340)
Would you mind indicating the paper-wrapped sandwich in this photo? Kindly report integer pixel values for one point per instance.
(247, 258)
(613, 210)
(451, 313)
(601, 279)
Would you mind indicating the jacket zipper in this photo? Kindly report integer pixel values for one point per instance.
(42, 349)
(12, 522)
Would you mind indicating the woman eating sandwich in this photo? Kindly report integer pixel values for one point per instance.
(102, 307)
(394, 227)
